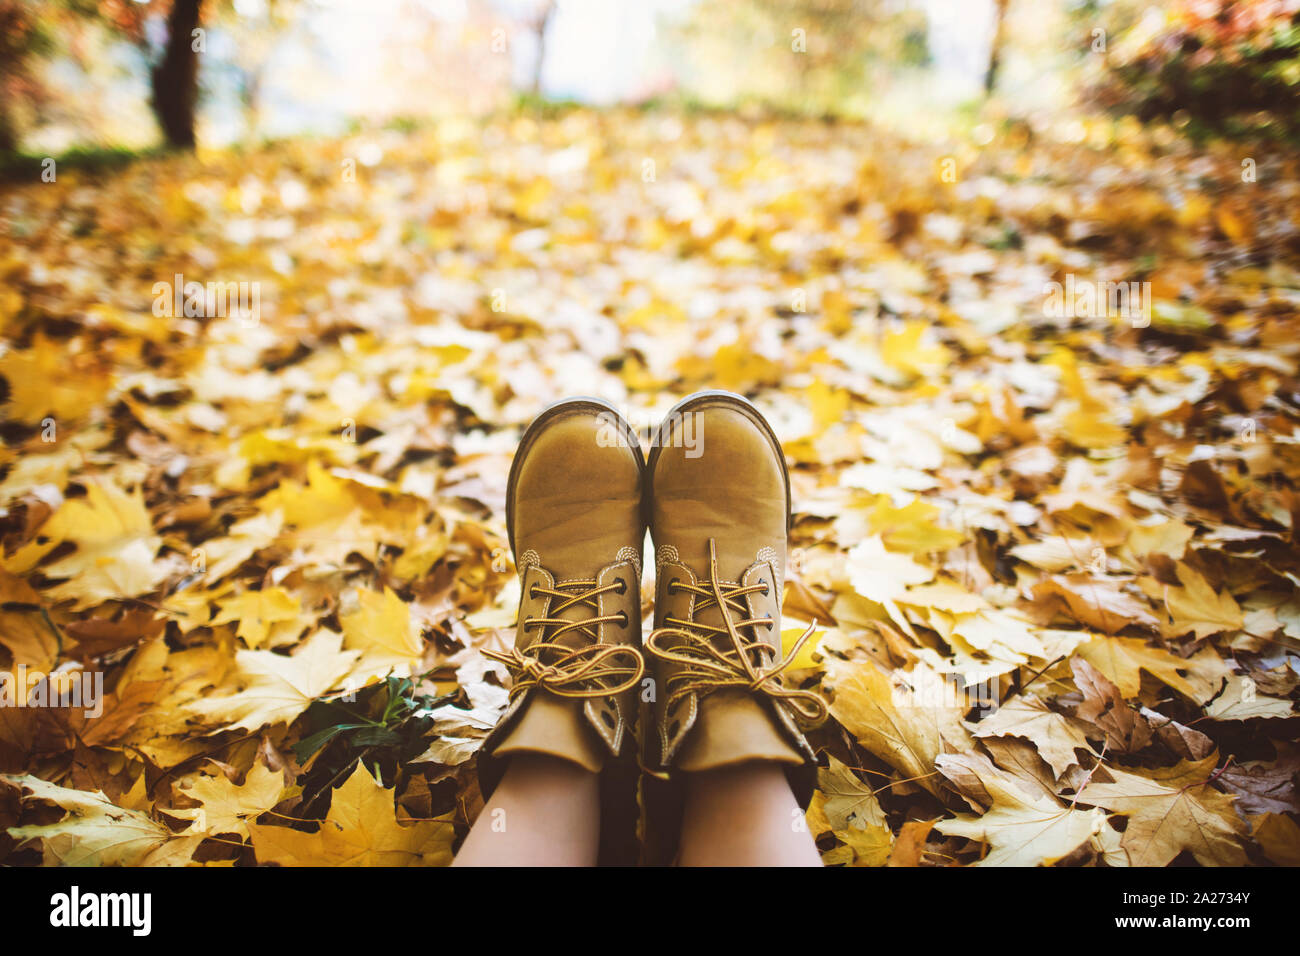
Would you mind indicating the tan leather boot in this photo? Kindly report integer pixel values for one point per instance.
(573, 511)
(719, 513)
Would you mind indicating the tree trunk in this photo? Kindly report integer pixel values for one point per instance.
(540, 24)
(251, 96)
(995, 53)
(176, 76)
(8, 130)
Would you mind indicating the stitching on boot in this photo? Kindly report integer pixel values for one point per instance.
(666, 554)
(770, 555)
(632, 555)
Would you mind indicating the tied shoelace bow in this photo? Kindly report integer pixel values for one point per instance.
(706, 664)
(593, 670)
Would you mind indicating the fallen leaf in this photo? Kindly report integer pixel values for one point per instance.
(361, 829)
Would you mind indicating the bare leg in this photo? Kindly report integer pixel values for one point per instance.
(545, 812)
(744, 816)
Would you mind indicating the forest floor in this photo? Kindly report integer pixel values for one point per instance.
(1046, 524)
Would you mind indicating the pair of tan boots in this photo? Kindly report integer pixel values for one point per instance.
(705, 688)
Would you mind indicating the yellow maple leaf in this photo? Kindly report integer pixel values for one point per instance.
(1121, 659)
(882, 575)
(1021, 827)
(852, 812)
(382, 631)
(323, 501)
(1279, 836)
(220, 556)
(908, 350)
(1055, 737)
(361, 829)
(97, 832)
(31, 640)
(804, 659)
(226, 807)
(256, 611)
(828, 404)
(738, 367)
(169, 680)
(45, 380)
(1240, 701)
(1197, 608)
(1027, 831)
(912, 527)
(275, 688)
(1092, 428)
(906, 726)
(116, 546)
(1170, 810)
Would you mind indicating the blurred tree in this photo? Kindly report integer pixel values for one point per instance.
(995, 50)
(535, 16)
(1212, 66)
(834, 49)
(258, 28)
(540, 21)
(174, 71)
(24, 35)
(176, 76)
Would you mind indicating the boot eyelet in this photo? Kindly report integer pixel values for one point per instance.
(673, 584)
(770, 622)
(622, 587)
(624, 621)
(532, 592)
(763, 581)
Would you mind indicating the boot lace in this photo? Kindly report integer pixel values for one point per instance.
(706, 664)
(592, 670)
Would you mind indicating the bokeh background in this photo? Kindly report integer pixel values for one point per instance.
(82, 74)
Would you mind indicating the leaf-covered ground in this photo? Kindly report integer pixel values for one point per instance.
(1053, 558)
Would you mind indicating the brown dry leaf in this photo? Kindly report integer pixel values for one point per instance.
(1021, 759)
(1184, 741)
(98, 636)
(1122, 659)
(1126, 730)
(1102, 603)
(906, 725)
(1022, 829)
(1241, 701)
(1197, 608)
(1029, 717)
(1170, 810)
(31, 640)
(1279, 837)
(95, 832)
(909, 847)
(1264, 787)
